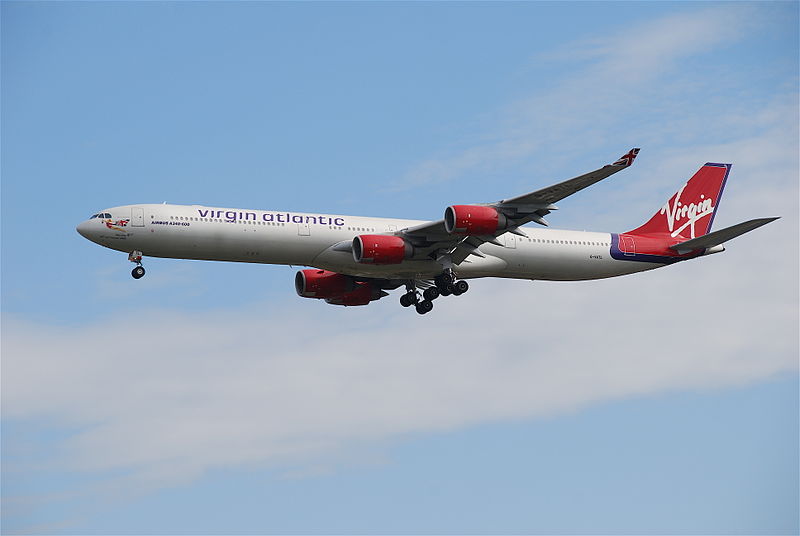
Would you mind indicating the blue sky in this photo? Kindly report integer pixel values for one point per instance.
(208, 398)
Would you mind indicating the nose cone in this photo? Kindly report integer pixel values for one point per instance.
(83, 229)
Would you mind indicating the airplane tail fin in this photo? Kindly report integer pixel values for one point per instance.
(681, 229)
(690, 212)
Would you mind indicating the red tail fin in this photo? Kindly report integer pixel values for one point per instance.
(690, 212)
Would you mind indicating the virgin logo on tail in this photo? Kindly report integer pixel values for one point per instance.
(704, 190)
(693, 212)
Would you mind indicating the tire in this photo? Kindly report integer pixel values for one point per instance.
(431, 293)
(442, 280)
(461, 287)
(425, 306)
(138, 272)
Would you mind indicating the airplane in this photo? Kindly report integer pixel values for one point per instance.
(355, 260)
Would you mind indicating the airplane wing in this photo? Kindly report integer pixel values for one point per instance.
(559, 191)
(433, 240)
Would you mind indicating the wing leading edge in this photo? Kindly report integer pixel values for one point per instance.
(431, 240)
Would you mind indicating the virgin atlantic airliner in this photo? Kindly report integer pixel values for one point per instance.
(355, 260)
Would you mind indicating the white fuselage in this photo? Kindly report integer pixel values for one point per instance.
(300, 239)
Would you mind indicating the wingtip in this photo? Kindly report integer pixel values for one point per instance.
(628, 158)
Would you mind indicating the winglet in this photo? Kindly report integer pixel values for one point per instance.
(627, 159)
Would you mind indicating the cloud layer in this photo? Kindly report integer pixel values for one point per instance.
(168, 396)
(652, 85)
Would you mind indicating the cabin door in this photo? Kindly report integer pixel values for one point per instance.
(137, 217)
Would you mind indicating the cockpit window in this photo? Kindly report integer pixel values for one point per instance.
(106, 215)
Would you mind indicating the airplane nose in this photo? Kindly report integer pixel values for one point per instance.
(83, 229)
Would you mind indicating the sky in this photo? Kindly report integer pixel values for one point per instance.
(208, 398)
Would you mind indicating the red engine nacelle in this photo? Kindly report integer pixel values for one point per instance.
(381, 249)
(322, 284)
(362, 295)
(473, 220)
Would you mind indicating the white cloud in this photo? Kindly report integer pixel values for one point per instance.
(171, 396)
(649, 50)
(631, 89)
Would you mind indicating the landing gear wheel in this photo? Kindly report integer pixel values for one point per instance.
(409, 298)
(448, 289)
(425, 306)
(443, 279)
(136, 257)
(431, 293)
(460, 287)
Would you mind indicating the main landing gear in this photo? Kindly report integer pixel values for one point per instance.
(412, 297)
(445, 285)
(136, 256)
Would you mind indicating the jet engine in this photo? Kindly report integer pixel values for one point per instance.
(335, 288)
(473, 220)
(322, 284)
(362, 295)
(381, 249)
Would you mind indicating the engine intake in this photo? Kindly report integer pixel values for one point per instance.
(336, 288)
(381, 249)
(473, 220)
(322, 284)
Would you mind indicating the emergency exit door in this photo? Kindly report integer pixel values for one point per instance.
(137, 217)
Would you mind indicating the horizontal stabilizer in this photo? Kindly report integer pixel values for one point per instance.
(718, 237)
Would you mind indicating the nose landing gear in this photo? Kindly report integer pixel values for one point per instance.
(136, 256)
